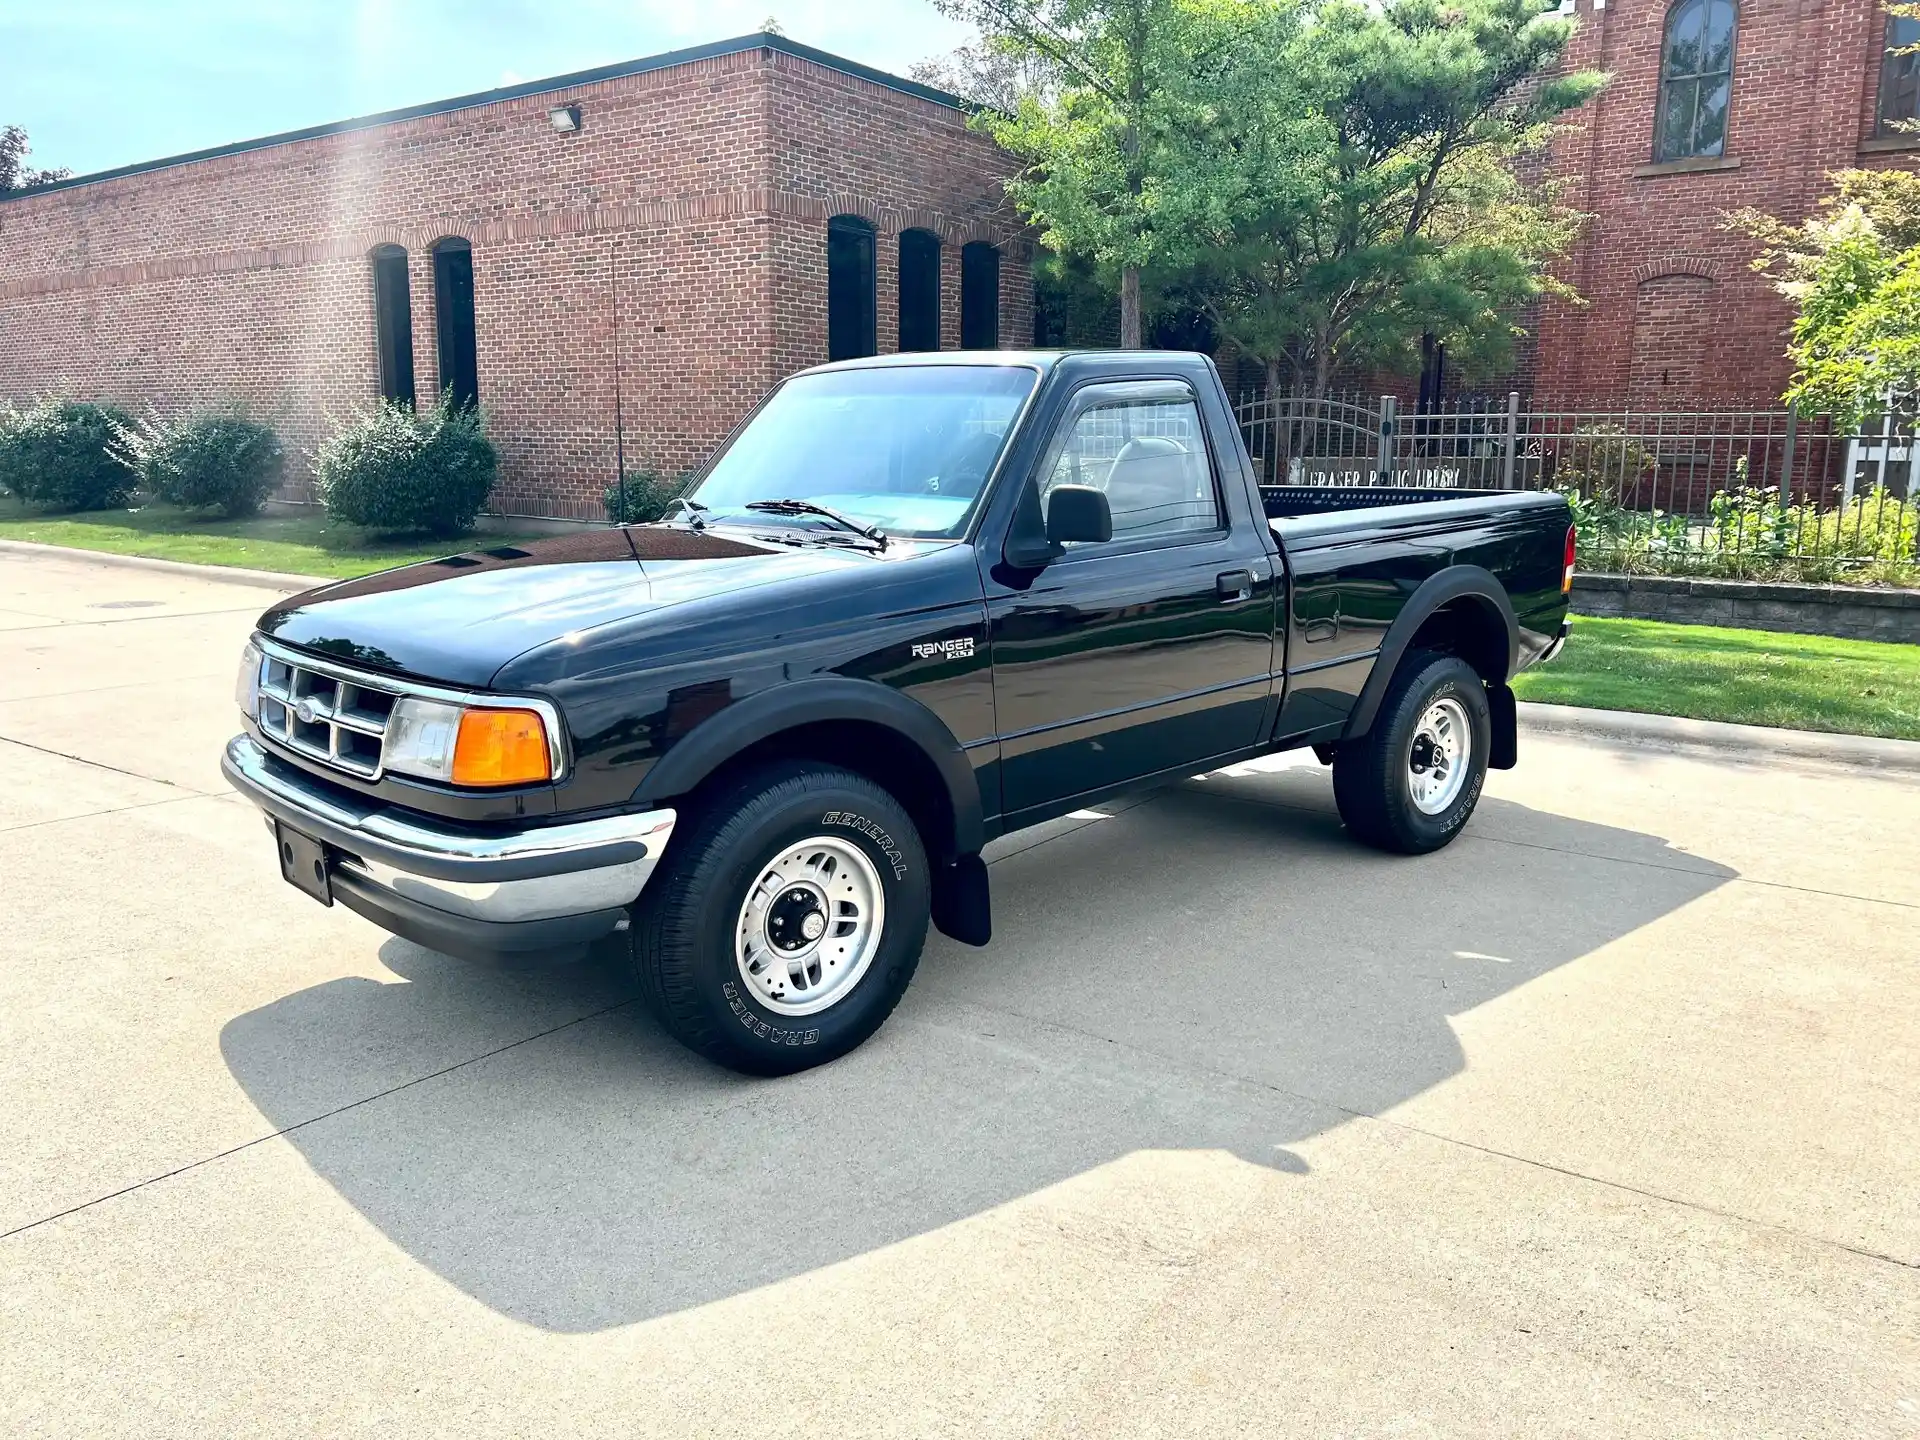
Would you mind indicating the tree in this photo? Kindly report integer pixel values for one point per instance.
(15, 173)
(1852, 272)
(989, 75)
(1072, 304)
(1390, 196)
(1127, 153)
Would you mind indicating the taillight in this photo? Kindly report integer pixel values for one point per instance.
(1566, 575)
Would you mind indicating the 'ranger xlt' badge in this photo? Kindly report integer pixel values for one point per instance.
(944, 649)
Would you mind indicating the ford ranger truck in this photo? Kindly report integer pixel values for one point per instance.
(911, 604)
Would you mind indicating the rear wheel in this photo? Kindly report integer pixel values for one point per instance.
(1411, 782)
(786, 920)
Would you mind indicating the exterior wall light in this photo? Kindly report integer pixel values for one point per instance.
(565, 119)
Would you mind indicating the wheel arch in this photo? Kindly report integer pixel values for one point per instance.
(1462, 610)
(860, 725)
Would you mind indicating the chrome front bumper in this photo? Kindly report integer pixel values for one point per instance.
(459, 887)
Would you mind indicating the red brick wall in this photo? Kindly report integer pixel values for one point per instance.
(901, 163)
(699, 192)
(1674, 314)
(1676, 323)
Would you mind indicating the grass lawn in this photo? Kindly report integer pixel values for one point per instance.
(1751, 677)
(300, 544)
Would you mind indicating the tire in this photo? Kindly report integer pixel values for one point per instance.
(1395, 798)
(723, 949)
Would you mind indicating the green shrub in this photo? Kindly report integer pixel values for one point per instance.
(53, 454)
(1748, 533)
(1613, 537)
(649, 493)
(1602, 460)
(214, 459)
(398, 470)
(1875, 526)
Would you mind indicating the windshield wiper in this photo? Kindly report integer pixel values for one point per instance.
(695, 511)
(807, 507)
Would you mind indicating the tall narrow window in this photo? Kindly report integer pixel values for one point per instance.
(1899, 76)
(979, 297)
(453, 319)
(850, 302)
(919, 290)
(393, 323)
(1696, 80)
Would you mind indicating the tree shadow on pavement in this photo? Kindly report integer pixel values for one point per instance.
(1216, 967)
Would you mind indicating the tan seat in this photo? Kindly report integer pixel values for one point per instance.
(1155, 486)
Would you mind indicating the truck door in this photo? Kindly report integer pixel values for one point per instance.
(1150, 652)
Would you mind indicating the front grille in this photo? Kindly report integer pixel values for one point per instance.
(337, 720)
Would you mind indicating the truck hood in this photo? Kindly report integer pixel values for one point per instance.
(459, 619)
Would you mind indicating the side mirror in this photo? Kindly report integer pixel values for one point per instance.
(1078, 514)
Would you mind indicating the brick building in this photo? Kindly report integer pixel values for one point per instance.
(1714, 105)
(718, 217)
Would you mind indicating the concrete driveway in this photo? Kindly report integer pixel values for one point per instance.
(1604, 1121)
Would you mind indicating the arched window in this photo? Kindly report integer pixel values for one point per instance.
(393, 323)
(919, 290)
(1696, 80)
(1899, 75)
(850, 302)
(453, 319)
(979, 296)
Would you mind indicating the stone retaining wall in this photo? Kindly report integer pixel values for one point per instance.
(1854, 612)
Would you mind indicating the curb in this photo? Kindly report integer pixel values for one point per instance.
(1753, 742)
(232, 575)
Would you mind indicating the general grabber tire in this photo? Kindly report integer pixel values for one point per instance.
(1410, 782)
(786, 919)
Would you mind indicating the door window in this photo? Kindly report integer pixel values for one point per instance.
(1150, 458)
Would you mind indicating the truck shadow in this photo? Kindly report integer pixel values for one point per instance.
(1215, 967)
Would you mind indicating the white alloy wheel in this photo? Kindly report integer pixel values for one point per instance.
(810, 925)
(1440, 756)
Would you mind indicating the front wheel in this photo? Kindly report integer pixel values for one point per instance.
(786, 920)
(1410, 782)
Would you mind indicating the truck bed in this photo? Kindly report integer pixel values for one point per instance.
(1311, 514)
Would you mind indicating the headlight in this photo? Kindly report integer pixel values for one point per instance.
(482, 746)
(420, 738)
(246, 685)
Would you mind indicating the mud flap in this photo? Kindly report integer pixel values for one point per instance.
(1506, 728)
(962, 907)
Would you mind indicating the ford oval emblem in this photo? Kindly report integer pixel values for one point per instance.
(307, 710)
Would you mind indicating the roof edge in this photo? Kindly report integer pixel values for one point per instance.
(758, 40)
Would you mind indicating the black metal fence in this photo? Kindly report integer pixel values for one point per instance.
(1765, 494)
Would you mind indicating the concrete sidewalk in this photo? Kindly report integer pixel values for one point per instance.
(1599, 1122)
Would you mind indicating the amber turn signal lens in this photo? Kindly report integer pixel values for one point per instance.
(501, 747)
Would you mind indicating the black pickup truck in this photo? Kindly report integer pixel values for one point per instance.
(913, 603)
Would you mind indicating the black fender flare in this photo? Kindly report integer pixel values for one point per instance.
(1443, 587)
(822, 699)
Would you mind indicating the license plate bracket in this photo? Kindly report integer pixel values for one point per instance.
(303, 863)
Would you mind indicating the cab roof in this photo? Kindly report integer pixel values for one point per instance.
(1042, 360)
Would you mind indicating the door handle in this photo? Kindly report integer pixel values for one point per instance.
(1234, 585)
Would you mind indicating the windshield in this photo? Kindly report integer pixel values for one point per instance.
(905, 449)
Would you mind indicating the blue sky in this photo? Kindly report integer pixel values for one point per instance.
(100, 83)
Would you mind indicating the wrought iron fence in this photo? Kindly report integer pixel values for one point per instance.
(1763, 494)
